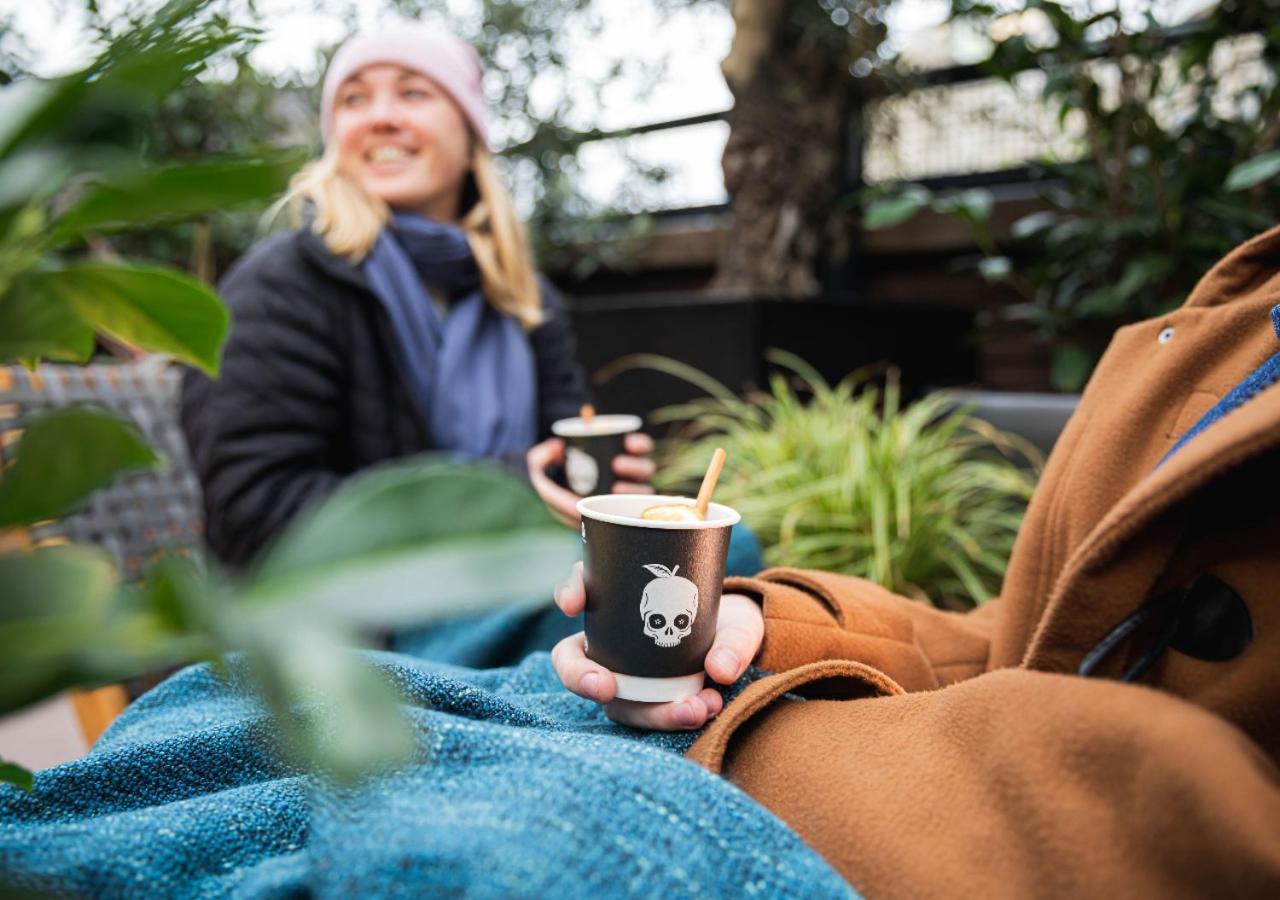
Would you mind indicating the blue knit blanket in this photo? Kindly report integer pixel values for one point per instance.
(520, 790)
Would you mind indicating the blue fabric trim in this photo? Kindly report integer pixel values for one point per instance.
(1275, 319)
(1262, 378)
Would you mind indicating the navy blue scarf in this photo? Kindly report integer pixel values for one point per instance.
(471, 373)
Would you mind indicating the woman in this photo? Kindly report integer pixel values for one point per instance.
(405, 316)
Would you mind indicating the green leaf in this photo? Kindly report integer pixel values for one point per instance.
(1032, 224)
(67, 622)
(35, 174)
(973, 205)
(417, 585)
(889, 211)
(149, 307)
(401, 546)
(995, 268)
(11, 773)
(1104, 302)
(1253, 171)
(415, 543)
(1143, 272)
(1071, 367)
(666, 365)
(20, 103)
(122, 85)
(333, 712)
(37, 325)
(56, 604)
(64, 456)
(1234, 209)
(179, 599)
(176, 192)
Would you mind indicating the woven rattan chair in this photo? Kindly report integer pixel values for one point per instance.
(138, 519)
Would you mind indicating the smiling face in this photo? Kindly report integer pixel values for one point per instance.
(402, 139)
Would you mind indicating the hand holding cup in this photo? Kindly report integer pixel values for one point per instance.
(632, 469)
(650, 588)
(739, 631)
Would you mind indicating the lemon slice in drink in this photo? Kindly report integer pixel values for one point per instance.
(671, 512)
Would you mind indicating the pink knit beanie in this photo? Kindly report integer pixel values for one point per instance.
(448, 61)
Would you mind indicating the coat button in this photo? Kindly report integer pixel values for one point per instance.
(1166, 336)
(1214, 623)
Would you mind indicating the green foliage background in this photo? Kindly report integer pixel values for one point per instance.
(235, 108)
(1179, 154)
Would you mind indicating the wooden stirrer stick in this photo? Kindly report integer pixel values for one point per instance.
(709, 482)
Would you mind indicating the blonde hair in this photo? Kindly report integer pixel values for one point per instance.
(349, 220)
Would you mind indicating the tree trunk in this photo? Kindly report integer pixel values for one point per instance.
(788, 71)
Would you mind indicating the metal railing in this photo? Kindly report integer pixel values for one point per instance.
(1008, 160)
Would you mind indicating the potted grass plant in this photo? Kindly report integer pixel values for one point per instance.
(923, 499)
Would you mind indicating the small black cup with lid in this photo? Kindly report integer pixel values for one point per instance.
(592, 445)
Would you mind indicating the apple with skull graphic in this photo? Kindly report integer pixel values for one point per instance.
(668, 606)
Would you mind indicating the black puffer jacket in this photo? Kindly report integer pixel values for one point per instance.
(310, 391)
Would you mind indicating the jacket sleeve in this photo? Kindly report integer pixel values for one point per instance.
(266, 436)
(562, 383)
(812, 616)
(1015, 783)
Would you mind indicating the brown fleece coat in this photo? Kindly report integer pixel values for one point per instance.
(926, 753)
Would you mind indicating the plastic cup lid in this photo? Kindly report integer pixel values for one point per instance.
(599, 425)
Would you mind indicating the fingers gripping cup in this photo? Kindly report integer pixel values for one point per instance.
(592, 445)
(653, 593)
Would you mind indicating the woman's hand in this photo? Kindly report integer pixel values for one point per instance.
(635, 468)
(562, 502)
(739, 631)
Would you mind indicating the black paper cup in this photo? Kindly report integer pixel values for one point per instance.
(653, 593)
(591, 447)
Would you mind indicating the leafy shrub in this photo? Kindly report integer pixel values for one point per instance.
(923, 499)
(1177, 135)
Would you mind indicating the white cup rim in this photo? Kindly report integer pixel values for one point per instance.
(617, 509)
(600, 426)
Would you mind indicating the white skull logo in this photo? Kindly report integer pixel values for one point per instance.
(581, 471)
(668, 606)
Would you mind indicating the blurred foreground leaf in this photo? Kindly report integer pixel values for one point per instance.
(11, 773)
(40, 325)
(153, 308)
(63, 457)
(56, 606)
(399, 547)
(334, 712)
(423, 540)
(176, 192)
(403, 546)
